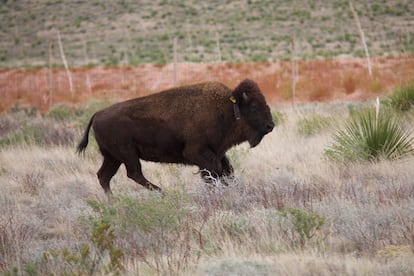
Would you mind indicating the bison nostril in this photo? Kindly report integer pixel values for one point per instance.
(270, 126)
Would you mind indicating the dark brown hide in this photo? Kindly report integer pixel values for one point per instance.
(193, 125)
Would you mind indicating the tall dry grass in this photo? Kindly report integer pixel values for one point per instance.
(52, 209)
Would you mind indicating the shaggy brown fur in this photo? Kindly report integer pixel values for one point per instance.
(193, 125)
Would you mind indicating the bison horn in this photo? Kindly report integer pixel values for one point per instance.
(245, 97)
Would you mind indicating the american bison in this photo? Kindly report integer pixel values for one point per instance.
(192, 125)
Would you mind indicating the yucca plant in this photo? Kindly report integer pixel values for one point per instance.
(402, 98)
(372, 135)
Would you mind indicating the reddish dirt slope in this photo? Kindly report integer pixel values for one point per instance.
(318, 80)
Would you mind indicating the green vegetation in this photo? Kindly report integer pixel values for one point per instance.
(305, 224)
(29, 131)
(402, 97)
(372, 136)
(128, 32)
(87, 259)
(278, 117)
(313, 124)
(60, 113)
(151, 227)
(57, 127)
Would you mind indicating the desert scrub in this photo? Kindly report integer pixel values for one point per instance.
(402, 97)
(372, 135)
(15, 235)
(161, 233)
(36, 131)
(87, 258)
(313, 124)
(60, 113)
(84, 114)
(304, 225)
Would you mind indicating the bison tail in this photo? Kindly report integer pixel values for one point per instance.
(85, 139)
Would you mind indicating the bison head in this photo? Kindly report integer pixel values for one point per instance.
(253, 110)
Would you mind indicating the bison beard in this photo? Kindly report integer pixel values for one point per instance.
(192, 125)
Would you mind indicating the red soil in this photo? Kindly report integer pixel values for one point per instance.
(318, 80)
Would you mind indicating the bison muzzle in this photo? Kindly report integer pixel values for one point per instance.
(192, 125)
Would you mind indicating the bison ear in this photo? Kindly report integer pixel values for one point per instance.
(243, 92)
(242, 98)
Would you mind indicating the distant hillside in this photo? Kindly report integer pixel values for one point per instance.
(97, 32)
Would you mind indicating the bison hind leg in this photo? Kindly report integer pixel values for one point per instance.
(134, 172)
(108, 169)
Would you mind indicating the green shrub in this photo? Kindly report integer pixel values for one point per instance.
(371, 136)
(88, 259)
(28, 111)
(236, 227)
(402, 97)
(84, 114)
(313, 124)
(60, 113)
(157, 231)
(278, 117)
(305, 224)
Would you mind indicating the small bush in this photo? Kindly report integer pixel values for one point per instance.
(159, 232)
(371, 136)
(84, 114)
(60, 113)
(402, 98)
(305, 224)
(313, 124)
(236, 226)
(278, 117)
(88, 259)
(29, 111)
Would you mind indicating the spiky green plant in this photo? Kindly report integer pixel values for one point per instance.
(372, 135)
(402, 97)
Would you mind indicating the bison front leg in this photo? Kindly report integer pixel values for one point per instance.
(227, 167)
(223, 176)
(227, 170)
(210, 165)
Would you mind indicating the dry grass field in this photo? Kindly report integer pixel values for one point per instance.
(289, 211)
(293, 208)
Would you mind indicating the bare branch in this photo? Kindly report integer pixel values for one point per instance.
(361, 32)
(65, 63)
